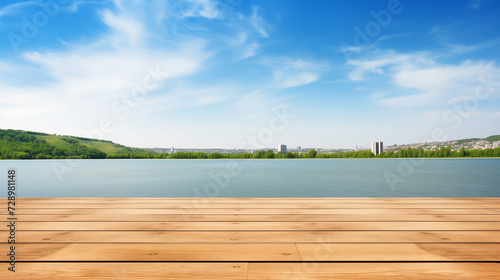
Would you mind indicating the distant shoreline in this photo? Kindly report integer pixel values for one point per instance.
(182, 159)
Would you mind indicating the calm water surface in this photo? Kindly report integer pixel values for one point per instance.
(257, 178)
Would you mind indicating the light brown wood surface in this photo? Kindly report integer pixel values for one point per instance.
(262, 226)
(255, 271)
(254, 238)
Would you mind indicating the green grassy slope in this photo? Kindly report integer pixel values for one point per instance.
(18, 144)
(491, 138)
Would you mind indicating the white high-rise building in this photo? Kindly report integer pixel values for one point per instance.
(172, 150)
(377, 147)
(282, 149)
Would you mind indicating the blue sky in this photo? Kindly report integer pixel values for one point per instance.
(251, 74)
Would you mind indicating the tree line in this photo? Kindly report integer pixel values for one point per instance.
(16, 144)
(269, 154)
(442, 152)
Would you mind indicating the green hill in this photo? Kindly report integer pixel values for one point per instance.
(19, 144)
(491, 138)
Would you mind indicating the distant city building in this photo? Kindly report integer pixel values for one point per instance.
(172, 150)
(299, 148)
(356, 147)
(377, 147)
(282, 149)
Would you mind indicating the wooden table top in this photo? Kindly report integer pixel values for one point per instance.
(253, 238)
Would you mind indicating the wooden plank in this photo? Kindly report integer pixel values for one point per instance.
(126, 270)
(258, 218)
(256, 252)
(153, 252)
(399, 252)
(262, 226)
(41, 236)
(125, 211)
(256, 271)
(260, 205)
(373, 271)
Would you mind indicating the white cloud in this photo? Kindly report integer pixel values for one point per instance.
(388, 37)
(290, 72)
(201, 8)
(258, 22)
(15, 8)
(181, 95)
(347, 48)
(385, 60)
(245, 45)
(458, 99)
(439, 83)
(299, 79)
(250, 49)
(75, 5)
(74, 87)
(475, 4)
(53, 6)
(80, 83)
(126, 30)
(418, 79)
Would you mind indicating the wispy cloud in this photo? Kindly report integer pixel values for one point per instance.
(392, 36)
(201, 8)
(442, 29)
(475, 4)
(420, 79)
(76, 4)
(126, 30)
(458, 99)
(458, 49)
(294, 72)
(53, 6)
(347, 48)
(250, 49)
(83, 80)
(380, 62)
(16, 8)
(258, 22)
(438, 84)
(245, 45)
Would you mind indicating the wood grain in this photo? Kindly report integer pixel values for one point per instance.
(126, 270)
(255, 238)
(399, 252)
(258, 218)
(373, 271)
(42, 236)
(262, 226)
(248, 211)
(154, 252)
